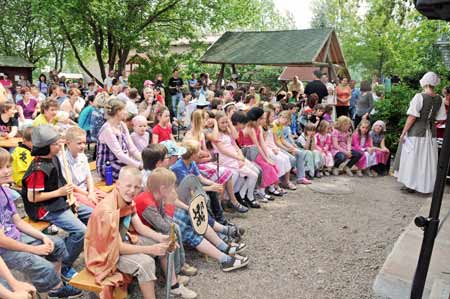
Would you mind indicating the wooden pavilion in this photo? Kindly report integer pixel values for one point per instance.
(317, 48)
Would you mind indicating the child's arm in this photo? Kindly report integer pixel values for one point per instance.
(155, 137)
(13, 132)
(155, 219)
(35, 185)
(214, 135)
(22, 290)
(254, 138)
(383, 146)
(233, 132)
(146, 231)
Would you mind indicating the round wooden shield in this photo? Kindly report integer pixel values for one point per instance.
(198, 212)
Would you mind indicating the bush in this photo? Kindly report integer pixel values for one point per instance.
(392, 110)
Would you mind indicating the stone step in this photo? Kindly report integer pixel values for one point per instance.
(441, 288)
(395, 277)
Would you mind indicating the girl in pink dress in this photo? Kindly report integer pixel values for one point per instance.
(362, 143)
(221, 175)
(231, 156)
(324, 144)
(140, 135)
(252, 137)
(280, 158)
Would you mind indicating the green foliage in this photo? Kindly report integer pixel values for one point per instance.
(392, 110)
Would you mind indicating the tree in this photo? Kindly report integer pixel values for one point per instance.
(113, 28)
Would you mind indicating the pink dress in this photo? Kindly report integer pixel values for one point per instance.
(269, 172)
(342, 139)
(139, 141)
(361, 145)
(324, 144)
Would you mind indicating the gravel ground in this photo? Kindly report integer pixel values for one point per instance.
(311, 244)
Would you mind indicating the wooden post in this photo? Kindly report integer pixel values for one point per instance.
(233, 69)
(220, 77)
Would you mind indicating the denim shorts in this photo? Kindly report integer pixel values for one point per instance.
(39, 270)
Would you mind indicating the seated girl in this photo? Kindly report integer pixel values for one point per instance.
(221, 175)
(252, 139)
(281, 159)
(140, 135)
(27, 106)
(8, 123)
(362, 142)
(324, 144)
(115, 145)
(231, 156)
(307, 141)
(162, 131)
(344, 156)
(382, 152)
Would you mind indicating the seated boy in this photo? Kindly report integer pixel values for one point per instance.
(77, 161)
(44, 193)
(21, 157)
(112, 247)
(26, 249)
(156, 207)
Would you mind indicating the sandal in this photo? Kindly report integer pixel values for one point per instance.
(239, 208)
(234, 264)
(274, 192)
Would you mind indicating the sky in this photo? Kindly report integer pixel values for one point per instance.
(301, 9)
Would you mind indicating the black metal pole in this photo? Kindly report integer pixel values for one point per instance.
(430, 225)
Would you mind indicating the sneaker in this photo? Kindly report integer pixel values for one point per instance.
(184, 280)
(235, 264)
(368, 172)
(343, 165)
(304, 181)
(348, 171)
(358, 173)
(374, 173)
(189, 270)
(65, 291)
(326, 173)
(335, 171)
(183, 292)
(51, 230)
(67, 273)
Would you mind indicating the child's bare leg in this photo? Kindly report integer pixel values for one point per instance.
(147, 289)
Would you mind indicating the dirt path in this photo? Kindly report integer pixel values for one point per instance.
(315, 245)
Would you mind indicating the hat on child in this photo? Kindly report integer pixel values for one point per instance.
(255, 113)
(202, 102)
(148, 83)
(173, 149)
(44, 135)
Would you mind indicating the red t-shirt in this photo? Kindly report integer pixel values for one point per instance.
(163, 133)
(145, 199)
(36, 182)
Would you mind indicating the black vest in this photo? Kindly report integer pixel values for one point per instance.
(53, 181)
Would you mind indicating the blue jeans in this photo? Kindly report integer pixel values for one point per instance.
(175, 99)
(39, 269)
(340, 157)
(75, 226)
(298, 162)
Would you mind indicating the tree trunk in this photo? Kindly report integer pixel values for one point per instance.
(123, 55)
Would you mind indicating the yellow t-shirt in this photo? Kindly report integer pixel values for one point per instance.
(41, 120)
(277, 130)
(22, 159)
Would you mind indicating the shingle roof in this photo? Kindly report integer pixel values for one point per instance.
(290, 47)
(14, 61)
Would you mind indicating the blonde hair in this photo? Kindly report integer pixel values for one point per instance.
(192, 147)
(113, 106)
(129, 172)
(323, 127)
(160, 176)
(74, 133)
(197, 124)
(5, 158)
(341, 122)
(139, 119)
(286, 114)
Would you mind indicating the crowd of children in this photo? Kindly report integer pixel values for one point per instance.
(237, 148)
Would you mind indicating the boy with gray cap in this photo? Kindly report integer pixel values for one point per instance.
(45, 192)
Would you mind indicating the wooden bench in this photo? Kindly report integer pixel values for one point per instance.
(86, 281)
(93, 165)
(39, 225)
(102, 186)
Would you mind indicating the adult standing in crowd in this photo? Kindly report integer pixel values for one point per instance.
(296, 87)
(354, 99)
(42, 84)
(108, 83)
(343, 96)
(417, 155)
(316, 86)
(175, 90)
(365, 103)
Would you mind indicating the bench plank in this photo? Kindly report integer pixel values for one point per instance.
(39, 225)
(102, 186)
(86, 281)
(92, 166)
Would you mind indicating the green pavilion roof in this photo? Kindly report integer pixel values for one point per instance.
(14, 61)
